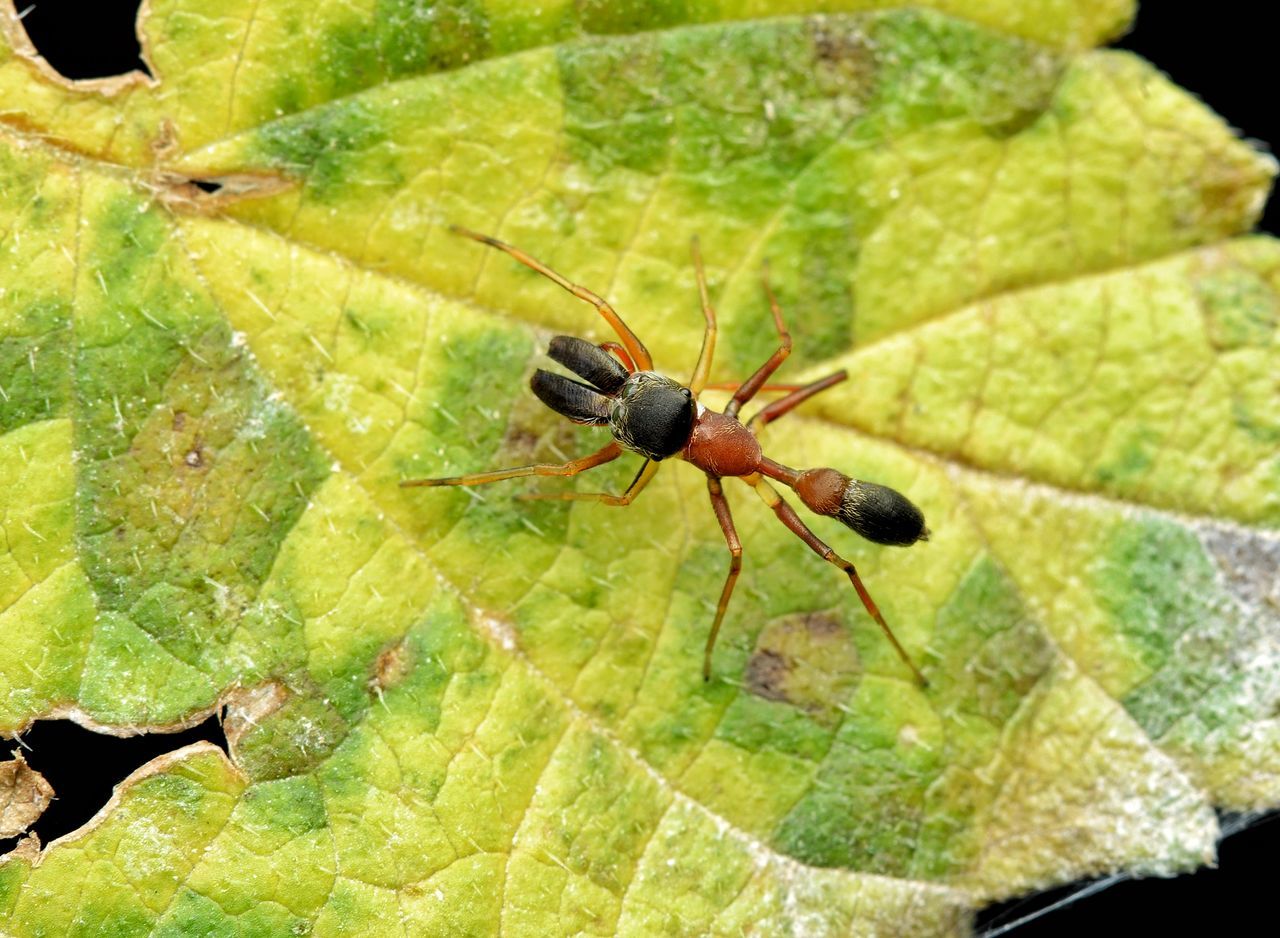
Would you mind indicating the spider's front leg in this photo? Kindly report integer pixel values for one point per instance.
(606, 454)
(749, 388)
(647, 472)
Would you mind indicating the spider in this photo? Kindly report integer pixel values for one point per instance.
(659, 418)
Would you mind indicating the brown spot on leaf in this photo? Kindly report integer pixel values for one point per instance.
(536, 434)
(390, 668)
(520, 441)
(249, 706)
(845, 52)
(806, 660)
(165, 143)
(207, 195)
(837, 43)
(1227, 190)
(822, 624)
(767, 674)
(179, 420)
(24, 794)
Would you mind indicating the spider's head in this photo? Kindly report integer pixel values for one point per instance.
(649, 413)
(652, 415)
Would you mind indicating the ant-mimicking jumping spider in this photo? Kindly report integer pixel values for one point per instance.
(658, 418)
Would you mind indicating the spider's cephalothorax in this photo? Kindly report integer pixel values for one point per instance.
(648, 413)
(658, 418)
(653, 415)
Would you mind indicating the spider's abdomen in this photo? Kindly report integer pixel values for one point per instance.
(877, 512)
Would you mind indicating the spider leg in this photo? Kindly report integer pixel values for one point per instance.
(752, 385)
(787, 515)
(784, 405)
(572, 468)
(647, 472)
(636, 349)
(764, 389)
(721, 507)
(703, 368)
(620, 353)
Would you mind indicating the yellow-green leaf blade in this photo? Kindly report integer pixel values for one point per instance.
(460, 711)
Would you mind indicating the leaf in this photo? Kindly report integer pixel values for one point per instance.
(24, 794)
(458, 712)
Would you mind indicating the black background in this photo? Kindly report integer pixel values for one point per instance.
(1222, 52)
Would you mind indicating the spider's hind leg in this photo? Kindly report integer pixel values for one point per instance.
(749, 388)
(787, 515)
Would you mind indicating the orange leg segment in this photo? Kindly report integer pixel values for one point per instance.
(721, 507)
(620, 353)
(647, 472)
(787, 515)
(639, 354)
(784, 405)
(572, 468)
(749, 388)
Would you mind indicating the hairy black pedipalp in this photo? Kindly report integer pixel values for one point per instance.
(570, 398)
(589, 362)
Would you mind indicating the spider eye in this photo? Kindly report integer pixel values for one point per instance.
(687, 393)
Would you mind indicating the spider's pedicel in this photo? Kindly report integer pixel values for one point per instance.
(876, 512)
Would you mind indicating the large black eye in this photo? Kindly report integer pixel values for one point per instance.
(654, 416)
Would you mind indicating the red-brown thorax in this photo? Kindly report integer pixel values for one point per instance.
(722, 446)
